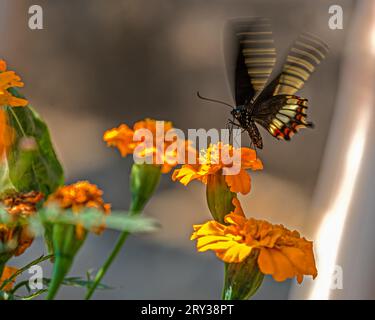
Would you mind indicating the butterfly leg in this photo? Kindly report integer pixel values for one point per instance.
(230, 125)
(253, 146)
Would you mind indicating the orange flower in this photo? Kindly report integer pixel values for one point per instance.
(7, 273)
(123, 137)
(15, 237)
(214, 160)
(9, 79)
(6, 133)
(77, 197)
(282, 253)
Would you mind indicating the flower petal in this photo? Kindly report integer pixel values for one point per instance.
(239, 183)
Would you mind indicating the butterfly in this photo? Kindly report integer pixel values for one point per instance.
(273, 104)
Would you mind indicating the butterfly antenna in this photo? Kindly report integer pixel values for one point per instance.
(213, 100)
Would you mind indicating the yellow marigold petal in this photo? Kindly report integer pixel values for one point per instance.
(219, 246)
(239, 183)
(235, 254)
(185, 174)
(214, 243)
(210, 228)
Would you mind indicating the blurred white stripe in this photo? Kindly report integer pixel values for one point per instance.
(345, 158)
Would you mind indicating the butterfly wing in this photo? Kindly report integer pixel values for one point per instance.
(250, 56)
(304, 56)
(277, 108)
(283, 115)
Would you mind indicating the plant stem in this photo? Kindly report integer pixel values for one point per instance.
(102, 271)
(61, 268)
(2, 265)
(144, 179)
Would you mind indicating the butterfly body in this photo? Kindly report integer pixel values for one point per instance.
(270, 104)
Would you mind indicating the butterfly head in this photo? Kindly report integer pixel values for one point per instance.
(237, 112)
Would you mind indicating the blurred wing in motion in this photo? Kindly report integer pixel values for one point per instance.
(304, 56)
(249, 57)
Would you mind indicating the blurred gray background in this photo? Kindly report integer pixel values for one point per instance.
(99, 63)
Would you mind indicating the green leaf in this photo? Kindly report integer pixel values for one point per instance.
(34, 295)
(31, 163)
(77, 282)
(93, 218)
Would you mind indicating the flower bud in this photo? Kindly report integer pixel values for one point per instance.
(242, 280)
(144, 179)
(219, 197)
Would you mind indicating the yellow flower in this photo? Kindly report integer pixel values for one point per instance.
(7, 273)
(77, 197)
(16, 238)
(9, 79)
(122, 137)
(214, 160)
(282, 253)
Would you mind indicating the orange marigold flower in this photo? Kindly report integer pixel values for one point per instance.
(79, 196)
(6, 133)
(15, 237)
(216, 158)
(123, 137)
(7, 273)
(9, 79)
(282, 253)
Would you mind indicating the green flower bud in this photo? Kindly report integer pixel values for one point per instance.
(219, 197)
(242, 280)
(65, 247)
(144, 179)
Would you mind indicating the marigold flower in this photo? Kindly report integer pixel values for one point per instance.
(7, 273)
(123, 137)
(77, 197)
(65, 239)
(282, 253)
(9, 79)
(15, 236)
(6, 133)
(216, 158)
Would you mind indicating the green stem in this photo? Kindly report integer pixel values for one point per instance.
(61, 267)
(103, 270)
(144, 179)
(2, 265)
(116, 250)
(223, 291)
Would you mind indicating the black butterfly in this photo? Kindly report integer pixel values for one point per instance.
(272, 104)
